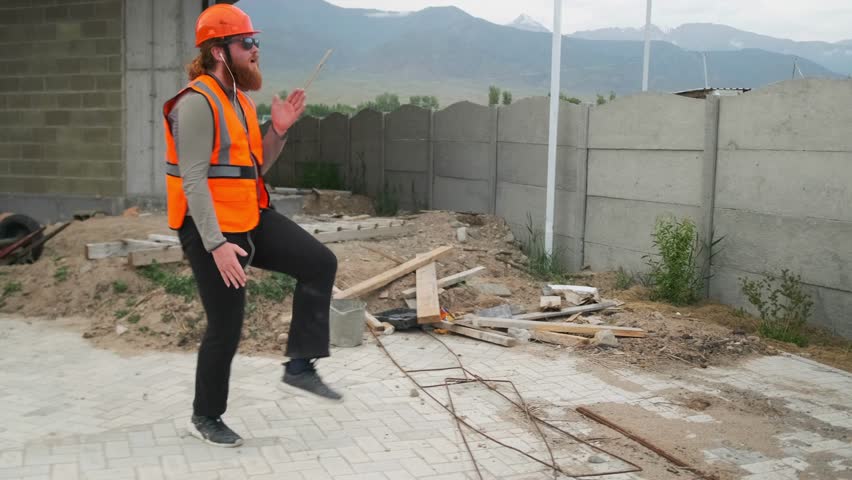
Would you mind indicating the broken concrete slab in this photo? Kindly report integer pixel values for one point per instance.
(496, 289)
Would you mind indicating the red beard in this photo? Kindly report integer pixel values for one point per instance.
(248, 77)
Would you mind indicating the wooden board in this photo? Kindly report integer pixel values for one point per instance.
(96, 251)
(447, 281)
(349, 235)
(385, 278)
(495, 338)
(549, 327)
(565, 312)
(558, 338)
(428, 308)
(164, 238)
(159, 255)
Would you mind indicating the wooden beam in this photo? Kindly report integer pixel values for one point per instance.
(550, 327)
(428, 308)
(348, 235)
(566, 311)
(164, 238)
(119, 249)
(495, 338)
(447, 281)
(170, 254)
(385, 278)
(558, 338)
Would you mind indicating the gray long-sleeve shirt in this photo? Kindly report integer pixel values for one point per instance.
(191, 122)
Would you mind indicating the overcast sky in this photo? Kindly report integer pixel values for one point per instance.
(826, 20)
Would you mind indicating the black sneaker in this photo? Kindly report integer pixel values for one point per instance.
(310, 381)
(213, 430)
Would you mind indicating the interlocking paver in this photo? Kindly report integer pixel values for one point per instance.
(127, 420)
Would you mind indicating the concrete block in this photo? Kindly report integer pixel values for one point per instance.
(114, 82)
(831, 307)
(334, 140)
(808, 246)
(677, 123)
(367, 149)
(108, 46)
(407, 123)
(139, 147)
(654, 176)
(167, 34)
(462, 195)
(464, 122)
(528, 121)
(822, 183)
(602, 258)
(138, 49)
(629, 223)
(467, 160)
(799, 115)
(407, 155)
(527, 164)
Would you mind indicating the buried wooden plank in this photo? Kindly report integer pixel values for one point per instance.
(558, 338)
(428, 309)
(447, 281)
(566, 311)
(164, 239)
(141, 258)
(385, 278)
(489, 337)
(349, 235)
(559, 327)
(122, 248)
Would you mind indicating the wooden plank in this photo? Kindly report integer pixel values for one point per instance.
(489, 337)
(350, 235)
(142, 244)
(447, 281)
(558, 338)
(158, 255)
(385, 278)
(566, 311)
(100, 250)
(164, 238)
(347, 218)
(560, 327)
(428, 308)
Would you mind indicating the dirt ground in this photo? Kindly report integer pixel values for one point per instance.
(119, 307)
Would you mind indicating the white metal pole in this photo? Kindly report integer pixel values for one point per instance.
(706, 83)
(555, 68)
(647, 48)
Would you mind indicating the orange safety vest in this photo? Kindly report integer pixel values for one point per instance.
(234, 176)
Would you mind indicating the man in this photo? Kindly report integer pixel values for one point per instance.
(218, 203)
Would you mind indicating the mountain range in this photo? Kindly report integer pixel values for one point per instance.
(446, 52)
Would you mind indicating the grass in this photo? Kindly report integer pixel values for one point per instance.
(134, 318)
(11, 287)
(172, 282)
(387, 203)
(275, 287)
(121, 313)
(320, 175)
(623, 279)
(61, 274)
(783, 306)
(541, 264)
(119, 287)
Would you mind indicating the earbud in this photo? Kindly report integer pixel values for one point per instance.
(221, 56)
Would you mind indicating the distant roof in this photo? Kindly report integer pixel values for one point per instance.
(705, 92)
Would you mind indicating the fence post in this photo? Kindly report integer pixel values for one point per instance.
(708, 177)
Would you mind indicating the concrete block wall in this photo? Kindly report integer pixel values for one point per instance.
(334, 144)
(522, 173)
(408, 168)
(160, 41)
(464, 151)
(366, 147)
(61, 128)
(784, 193)
(646, 155)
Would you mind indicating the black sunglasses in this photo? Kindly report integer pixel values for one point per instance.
(246, 42)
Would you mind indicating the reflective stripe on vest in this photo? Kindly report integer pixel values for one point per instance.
(218, 171)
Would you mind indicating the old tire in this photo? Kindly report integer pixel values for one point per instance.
(17, 226)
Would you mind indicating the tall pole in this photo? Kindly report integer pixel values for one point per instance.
(647, 47)
(706, 83)
(555, 68)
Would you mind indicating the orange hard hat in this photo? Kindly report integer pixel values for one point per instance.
(222, 20)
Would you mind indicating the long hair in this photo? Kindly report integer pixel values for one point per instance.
(204, 61)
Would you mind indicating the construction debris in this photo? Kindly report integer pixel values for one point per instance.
(550, 304)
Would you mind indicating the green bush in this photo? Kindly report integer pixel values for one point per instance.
(320, 175)
(674, 273)
(785, 310)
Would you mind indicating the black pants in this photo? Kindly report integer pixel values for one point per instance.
(280, 245)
